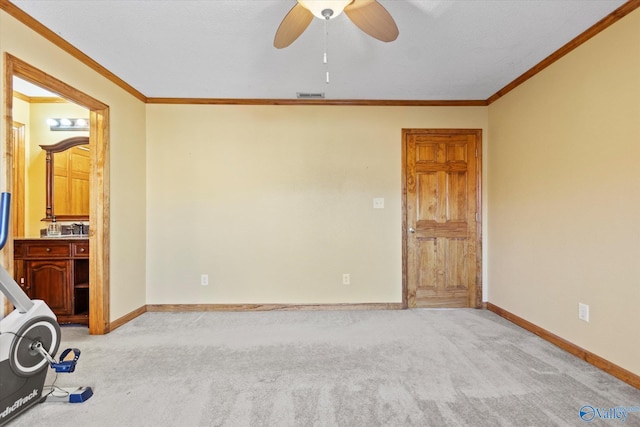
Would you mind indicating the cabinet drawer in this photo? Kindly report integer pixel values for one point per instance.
(46, 250)
(80, 249)
(18, 250)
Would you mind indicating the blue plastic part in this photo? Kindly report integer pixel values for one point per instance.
(67, 365)
(82, 395)
(5, 207)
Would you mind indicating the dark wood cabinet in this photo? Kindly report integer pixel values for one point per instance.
(49, 281)
(57, 272)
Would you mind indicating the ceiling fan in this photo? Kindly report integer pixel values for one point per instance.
(368, 15)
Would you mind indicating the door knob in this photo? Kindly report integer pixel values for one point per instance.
(412, 230)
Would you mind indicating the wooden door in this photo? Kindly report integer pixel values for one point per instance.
(442, 237)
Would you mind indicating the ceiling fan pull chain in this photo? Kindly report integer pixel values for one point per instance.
(326, 48)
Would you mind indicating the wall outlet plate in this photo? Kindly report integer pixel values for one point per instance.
(583, 312)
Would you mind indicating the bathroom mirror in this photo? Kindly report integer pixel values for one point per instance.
(67, 179)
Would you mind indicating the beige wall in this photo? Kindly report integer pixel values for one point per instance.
(564, 194)
(127, 157)
(275, 202)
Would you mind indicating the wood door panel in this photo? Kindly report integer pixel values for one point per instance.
(441, 195)
(457, 196)
(433, 229)
(447, 194)
(456, 152)
(49, 281)
(444, 300)
(457, 272)
(427, 207)
(426, 152)
(425, 256)
(442, 253)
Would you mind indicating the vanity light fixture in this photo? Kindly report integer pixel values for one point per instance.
(68, 124)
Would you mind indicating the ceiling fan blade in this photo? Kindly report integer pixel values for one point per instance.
(294, 24)
(372, 18)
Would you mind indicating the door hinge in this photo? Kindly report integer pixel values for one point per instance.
(476, 152)
(477, 217)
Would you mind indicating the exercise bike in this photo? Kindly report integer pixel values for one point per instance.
(29, 340)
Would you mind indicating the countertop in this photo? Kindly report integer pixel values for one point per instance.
(65, 237)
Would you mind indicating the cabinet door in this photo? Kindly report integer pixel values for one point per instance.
(49, 281)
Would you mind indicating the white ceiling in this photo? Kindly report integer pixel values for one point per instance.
(447, 49)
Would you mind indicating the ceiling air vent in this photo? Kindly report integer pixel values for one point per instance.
(306, 95)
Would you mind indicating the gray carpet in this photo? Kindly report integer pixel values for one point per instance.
(329, 368)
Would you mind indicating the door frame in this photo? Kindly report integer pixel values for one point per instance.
(405, 231)
(99, 181)
(17, 187)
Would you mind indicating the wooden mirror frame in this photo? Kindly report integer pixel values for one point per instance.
(50, 151)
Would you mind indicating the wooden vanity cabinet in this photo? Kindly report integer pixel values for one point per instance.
(57, 272)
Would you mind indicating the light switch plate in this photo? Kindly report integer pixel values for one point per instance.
(583, 312)
(378, 203)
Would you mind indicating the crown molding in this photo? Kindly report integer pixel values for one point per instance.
(344, 102)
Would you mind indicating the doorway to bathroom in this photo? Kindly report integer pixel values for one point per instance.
(98, 177)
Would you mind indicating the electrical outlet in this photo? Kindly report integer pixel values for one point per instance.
(583, 312)
(346, 279)
(204, 279)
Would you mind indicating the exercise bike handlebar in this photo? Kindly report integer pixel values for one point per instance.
(5, 206)
(8, 286)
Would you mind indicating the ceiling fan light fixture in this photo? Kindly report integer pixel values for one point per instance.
(319, 8)
(368, 15)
